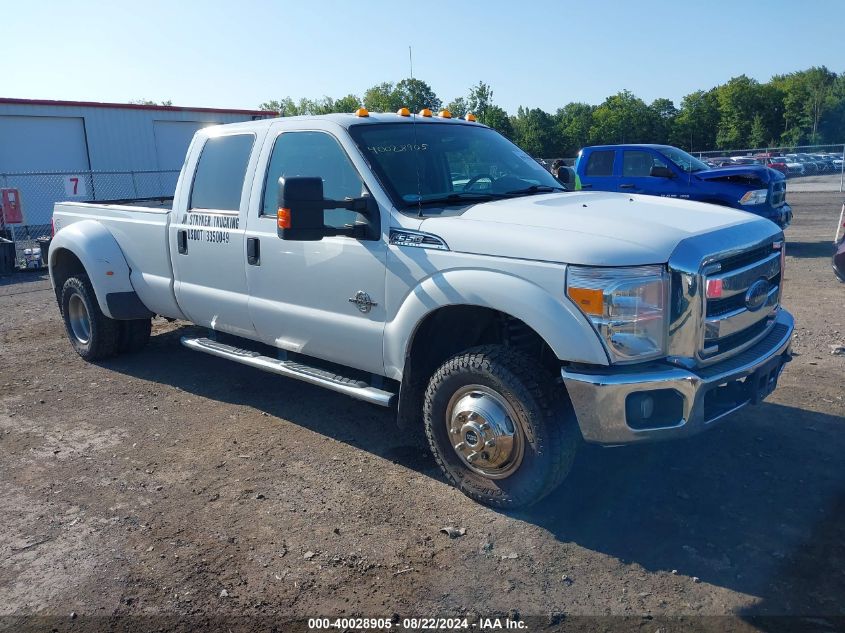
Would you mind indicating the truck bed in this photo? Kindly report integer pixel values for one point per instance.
(140, 227)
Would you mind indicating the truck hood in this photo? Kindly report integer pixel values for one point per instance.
(750, 173)
(591, 228)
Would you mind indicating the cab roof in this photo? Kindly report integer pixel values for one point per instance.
(347, 120)
(624, 145)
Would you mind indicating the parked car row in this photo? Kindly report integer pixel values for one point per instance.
(794, 164)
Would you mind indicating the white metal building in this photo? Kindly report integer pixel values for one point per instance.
(67, 136)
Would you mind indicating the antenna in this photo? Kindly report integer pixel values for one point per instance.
(416, 154)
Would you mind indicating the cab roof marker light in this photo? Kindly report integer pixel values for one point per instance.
(362, 112)
(469, 116)
(425, 112)
(403, 112)
(445, 114)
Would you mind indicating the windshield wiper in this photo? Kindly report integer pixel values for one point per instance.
(534, 189)
(457, 198)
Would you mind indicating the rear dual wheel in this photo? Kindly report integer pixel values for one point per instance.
(499, 429)
(93, 335)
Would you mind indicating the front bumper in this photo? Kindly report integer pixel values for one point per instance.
(603, 400)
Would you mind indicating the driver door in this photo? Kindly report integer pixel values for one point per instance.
(302, 294)
(636, 175)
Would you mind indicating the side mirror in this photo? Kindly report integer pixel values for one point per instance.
(661, 172)
(301, 205)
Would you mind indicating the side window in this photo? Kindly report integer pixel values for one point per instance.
(314, 154)
(636, 163)
(600, 163)
(219, 178)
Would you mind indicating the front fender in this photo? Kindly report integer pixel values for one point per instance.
(555, 319)
(94, 245)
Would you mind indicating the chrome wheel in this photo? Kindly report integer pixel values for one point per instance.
(484, 431)
(80, 321)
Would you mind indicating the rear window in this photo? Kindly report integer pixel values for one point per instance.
(219, 178)
(600, 163)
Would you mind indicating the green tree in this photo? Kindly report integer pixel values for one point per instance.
(832, 124)
(740, 99)
(151, 102)
(572, 127)
(622, 118)
(695, 126)
(534, 132)
(663, 114)
(349, 103)
(496, 118)
(757, 135)
(807, 106)
(284, 107)
(480, 99)
(382, 98)
(819, 81)
(415, 95)
(458, 107)
(288, 107)
(806, 100)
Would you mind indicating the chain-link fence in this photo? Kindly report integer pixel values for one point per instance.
(39, 191)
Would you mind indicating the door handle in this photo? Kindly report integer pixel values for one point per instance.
(182, 241)
(586, 186)
(253, 251)
(627, 186)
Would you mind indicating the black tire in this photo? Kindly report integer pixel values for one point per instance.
(133, 336)
(543, 414)
(92, 334)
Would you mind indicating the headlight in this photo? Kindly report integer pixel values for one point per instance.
(758, 196)
(627, 306)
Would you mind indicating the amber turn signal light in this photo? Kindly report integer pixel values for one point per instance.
(590, 300)
(283, 218)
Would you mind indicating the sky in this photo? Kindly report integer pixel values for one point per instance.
(534, 54)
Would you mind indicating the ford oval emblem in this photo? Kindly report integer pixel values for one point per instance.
(757, 295)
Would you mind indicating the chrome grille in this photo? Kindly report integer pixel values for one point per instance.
(735, 315)
(728, 253)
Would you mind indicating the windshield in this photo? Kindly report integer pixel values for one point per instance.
(448, 163)
(688, 163)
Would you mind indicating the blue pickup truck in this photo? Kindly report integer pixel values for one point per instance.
(662, 170)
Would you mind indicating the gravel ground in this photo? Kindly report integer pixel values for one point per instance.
(171, 491)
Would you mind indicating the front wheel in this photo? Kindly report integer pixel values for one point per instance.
(497, 427)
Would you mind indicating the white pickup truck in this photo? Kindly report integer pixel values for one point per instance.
(426, 263)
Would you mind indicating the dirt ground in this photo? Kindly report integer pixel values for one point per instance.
(171, 490)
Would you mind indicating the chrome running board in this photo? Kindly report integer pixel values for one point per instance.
(292, 369)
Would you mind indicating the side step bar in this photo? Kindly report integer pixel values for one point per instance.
(320, 377)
